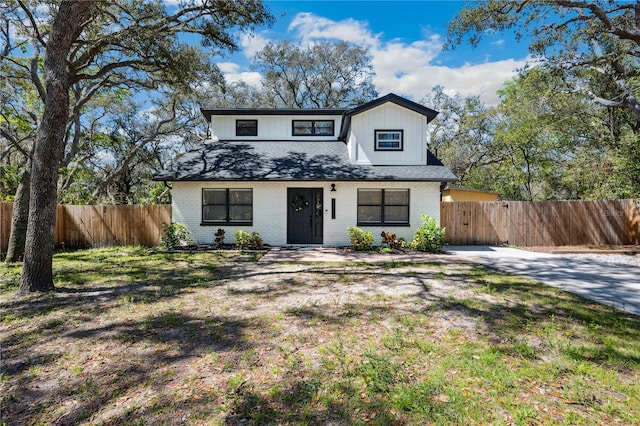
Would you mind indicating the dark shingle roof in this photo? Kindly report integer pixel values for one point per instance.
(208, 112)
(290, 160)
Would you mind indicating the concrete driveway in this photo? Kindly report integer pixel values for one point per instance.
(610, 283)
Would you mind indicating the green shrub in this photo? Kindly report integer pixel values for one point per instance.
(247, 240)
(360, 240)
(430, 237)
(174, 235)
(242, 238)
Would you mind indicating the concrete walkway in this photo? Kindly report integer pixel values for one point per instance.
(613, 284)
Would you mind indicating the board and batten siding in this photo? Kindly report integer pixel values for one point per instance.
(388, 116)
(270, 209)
(270, 127)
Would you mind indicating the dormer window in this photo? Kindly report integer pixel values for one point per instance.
(389, 140)
(313, 128)
(246, 127)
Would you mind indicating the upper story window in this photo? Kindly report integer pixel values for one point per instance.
(228, 206)
(313, 128)
(246, 127)
(389, 140)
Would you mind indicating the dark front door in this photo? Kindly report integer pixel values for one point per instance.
(304, 216)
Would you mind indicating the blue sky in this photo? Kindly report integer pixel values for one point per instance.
(405, 40)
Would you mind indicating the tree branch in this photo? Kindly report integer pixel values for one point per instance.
(13, 142)
(34, 74)
(75, 143)
(132, 153)
(37, 36)
(106, 69)
(603, 17)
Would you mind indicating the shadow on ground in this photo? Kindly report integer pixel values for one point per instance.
(184, 341)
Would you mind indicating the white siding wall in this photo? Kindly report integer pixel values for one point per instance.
(270, 127)
(270, 209)
(388, 116)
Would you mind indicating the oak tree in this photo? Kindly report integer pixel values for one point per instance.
(462, 133)
(131, 43)
(319, 75)
(583, 40)
(570, 126)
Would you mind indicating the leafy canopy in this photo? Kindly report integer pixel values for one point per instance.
(583, 40)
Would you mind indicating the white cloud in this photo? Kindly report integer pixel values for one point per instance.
(232, 74)
(481, 79)
(252, 43)
(311, 27)
(408, 68)
(252, 78)
(228, 67)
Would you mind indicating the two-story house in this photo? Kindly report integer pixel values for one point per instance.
(302, 176)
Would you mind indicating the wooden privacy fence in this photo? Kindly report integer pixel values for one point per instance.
(542, 223)
(5, 225)
(523, 223)
(100, 226)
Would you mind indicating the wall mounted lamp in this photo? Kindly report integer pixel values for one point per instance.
(333, 187)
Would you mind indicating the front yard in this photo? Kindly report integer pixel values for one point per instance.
(133, 337)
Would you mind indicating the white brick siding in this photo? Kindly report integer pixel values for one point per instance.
(270, 209)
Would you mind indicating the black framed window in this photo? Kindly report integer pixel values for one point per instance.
(246, 127)
(383, 207)
(228, 206)
(313, 128)
(389, 140)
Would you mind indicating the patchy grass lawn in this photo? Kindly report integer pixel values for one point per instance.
(133, 337)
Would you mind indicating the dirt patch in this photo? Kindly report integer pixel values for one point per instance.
(114, 352)
(210, 338)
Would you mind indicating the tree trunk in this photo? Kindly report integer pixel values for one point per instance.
(19, 218)
(37, 271)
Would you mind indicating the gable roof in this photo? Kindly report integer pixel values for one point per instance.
(391, 97)
(290, 161)
(398, 100)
